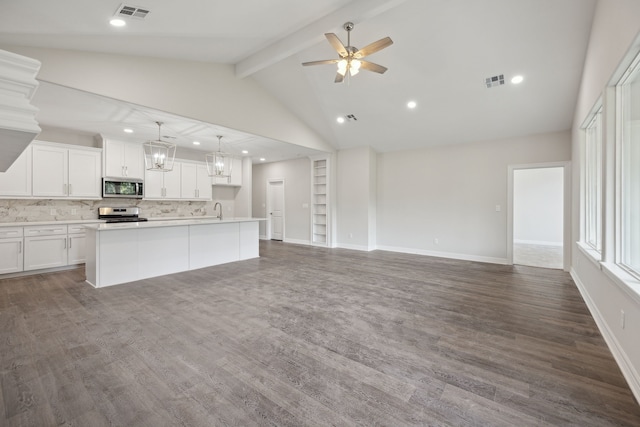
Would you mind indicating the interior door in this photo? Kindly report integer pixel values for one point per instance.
(276, 209)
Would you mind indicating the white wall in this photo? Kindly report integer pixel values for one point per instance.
(356, 198)
(538, 206)
(450, 193)
(198, 90)
(297, 196)
(614, 30)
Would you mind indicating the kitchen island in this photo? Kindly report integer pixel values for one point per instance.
(126, 252)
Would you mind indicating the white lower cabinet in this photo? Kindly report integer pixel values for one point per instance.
(76, 245)
(11, 247)
(45, 246)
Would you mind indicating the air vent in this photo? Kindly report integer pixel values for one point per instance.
(137, 12)
(494, 81)
(352, 118)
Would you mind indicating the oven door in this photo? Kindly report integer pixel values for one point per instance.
(118, 188)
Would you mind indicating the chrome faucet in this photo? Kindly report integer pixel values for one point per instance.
(215, 207)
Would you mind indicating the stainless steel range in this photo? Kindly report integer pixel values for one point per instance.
(130, 214)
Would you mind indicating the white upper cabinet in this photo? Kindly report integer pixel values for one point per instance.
(59, 171)
(196, 182)
(162, 185)
(50, 169)
(85, 175)
(16, 181)
(123, 159)
(236, 175)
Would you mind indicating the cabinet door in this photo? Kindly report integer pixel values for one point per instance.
(45, 252)
(49, 171)
(172, 182)
(153, 185)
(204, 183)
(84, 174)
(236, 175)
(133, 160)
(16, 181)
(76, 249)
(11, 255)
(189, 178)
(113, 152)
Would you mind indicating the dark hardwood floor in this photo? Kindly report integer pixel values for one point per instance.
(309, 336)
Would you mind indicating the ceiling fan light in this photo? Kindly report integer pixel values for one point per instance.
(342, 67)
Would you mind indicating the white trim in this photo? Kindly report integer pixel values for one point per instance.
(451, 255)
(592, 255)
(355, 247)
(268, 193)
(566, 223)
(297, 241)
(625, 281)
(627, 368)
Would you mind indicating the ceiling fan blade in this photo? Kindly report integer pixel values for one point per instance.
(373, 47)
(339, 78)
(372, 67)
(337, 44)
(324, 61)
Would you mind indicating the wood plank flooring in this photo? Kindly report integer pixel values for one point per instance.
(309, 336)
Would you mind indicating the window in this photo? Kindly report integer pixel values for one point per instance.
(628, 91)
(593, 183)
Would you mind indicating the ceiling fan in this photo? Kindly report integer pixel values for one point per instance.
(350, 60)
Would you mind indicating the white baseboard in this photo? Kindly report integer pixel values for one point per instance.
(463, 257)
(537, 242)
(355, 247)
(628, 370)
(297, 241)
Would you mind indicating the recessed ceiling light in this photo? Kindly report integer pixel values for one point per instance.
(517, 79)
(340, 119)
(245, 152)
(196, 142)
(127, 130)
(117, 22)
(262, 159)
(412, 104)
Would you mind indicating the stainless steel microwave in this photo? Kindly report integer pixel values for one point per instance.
(122, 188)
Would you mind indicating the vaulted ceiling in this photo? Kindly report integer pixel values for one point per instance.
(443, 50)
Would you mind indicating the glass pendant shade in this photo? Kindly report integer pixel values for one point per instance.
(218, 163)
(159, 155)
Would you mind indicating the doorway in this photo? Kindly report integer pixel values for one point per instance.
(275, 209)
(538, 206)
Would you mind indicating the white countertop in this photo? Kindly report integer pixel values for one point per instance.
(163, 222)
(72, 221)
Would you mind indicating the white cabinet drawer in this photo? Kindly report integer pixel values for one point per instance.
(76, 229)
(45, 230)
(8, 232)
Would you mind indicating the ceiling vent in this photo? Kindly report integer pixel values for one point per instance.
(494, 81)
(352, 118)
(137, 12)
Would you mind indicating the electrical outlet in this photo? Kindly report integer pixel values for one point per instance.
(436, 241)
(498, 208)
(622, 318)
(52, 212)
(351, 235)
(74, 211)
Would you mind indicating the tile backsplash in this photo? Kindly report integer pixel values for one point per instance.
(32, 210)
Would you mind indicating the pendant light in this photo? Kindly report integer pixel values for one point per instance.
(159, 155)
(219, 163)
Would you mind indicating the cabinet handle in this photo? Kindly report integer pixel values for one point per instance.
(126, 171)
(70, 240)
(70, 189)
(20, 247)
(65, 243)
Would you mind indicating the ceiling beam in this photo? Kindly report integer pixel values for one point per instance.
(357, 11)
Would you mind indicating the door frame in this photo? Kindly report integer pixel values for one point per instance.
(566, 208)
(268, 212)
